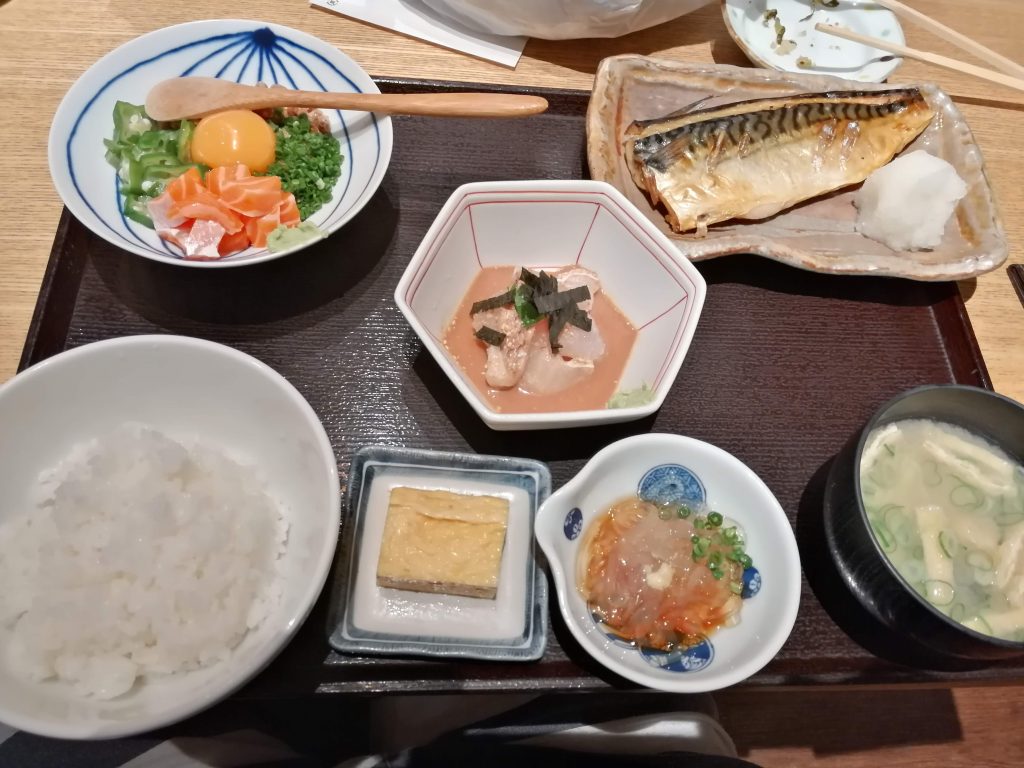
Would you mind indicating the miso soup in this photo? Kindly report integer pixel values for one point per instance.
(947, 508)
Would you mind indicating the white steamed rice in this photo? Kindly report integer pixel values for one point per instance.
(142, 557)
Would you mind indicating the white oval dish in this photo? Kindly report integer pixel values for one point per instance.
(829, 55)
(539, 224)
(186, 388)
(729, 655)
(244, 51)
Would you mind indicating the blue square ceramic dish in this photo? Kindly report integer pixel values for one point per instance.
(366, 618)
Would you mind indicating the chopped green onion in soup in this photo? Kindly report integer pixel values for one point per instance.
(947, 509)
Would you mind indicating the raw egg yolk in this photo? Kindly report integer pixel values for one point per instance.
(235, 137)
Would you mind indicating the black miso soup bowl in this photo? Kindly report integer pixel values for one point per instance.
(861, 562)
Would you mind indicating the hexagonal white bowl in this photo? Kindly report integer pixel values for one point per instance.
(552, 224)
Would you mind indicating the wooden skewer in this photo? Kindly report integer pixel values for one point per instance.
(997, 60)
(931, 58)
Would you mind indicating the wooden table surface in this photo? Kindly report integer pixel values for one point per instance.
(45, 46)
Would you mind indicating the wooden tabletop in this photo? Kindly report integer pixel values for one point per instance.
(41, 54)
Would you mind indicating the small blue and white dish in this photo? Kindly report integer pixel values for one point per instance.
(674, 469)
(247, 52)
(369, 619)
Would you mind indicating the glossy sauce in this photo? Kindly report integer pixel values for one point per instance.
(592, 393)
(638, 574)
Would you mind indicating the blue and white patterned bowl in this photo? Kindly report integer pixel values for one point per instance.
(674, 468)
(243, 51)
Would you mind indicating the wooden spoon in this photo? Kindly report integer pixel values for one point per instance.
(183, 98)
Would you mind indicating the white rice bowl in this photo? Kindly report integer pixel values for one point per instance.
(262, 571)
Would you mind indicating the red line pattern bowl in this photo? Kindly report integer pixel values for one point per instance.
(550, 224)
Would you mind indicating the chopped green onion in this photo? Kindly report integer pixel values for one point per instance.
(947, 543)
(684, 511)
(885, 538)
(715, 519)
(700, 548)
(966, 496)
(1009, 518)
(746, 561)
(308, 163)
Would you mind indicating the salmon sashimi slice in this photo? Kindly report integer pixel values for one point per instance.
(203, 241)
(176, 235)
(254, 197)
(289, 210)
(216, 177)
(233, 243)
(259, 229)
(222, 214)
(203, 204)
(159, 208)
(187, 185)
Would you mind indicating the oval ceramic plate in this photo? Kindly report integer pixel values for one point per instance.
(243, 51)
(818, 234)
(820, 53)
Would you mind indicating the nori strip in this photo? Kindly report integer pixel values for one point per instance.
(552, 301)
(508, 297)
(530, 279)
(576, 316)
(569, 315)
(534, 296)
(490, 336)
(556, 323)
(541, 284)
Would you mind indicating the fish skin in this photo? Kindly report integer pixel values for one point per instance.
(752, 159)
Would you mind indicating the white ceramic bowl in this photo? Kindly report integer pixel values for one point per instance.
(827, 54)
(190, 388)
(690, 469)
(243, 51)
(551, 224)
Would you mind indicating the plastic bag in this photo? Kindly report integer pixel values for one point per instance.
(562, 19)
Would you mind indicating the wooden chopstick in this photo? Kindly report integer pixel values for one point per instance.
(931, 58)
(1016, 272)
(973, 47)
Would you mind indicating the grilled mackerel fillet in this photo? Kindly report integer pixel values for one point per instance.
(752, 159)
